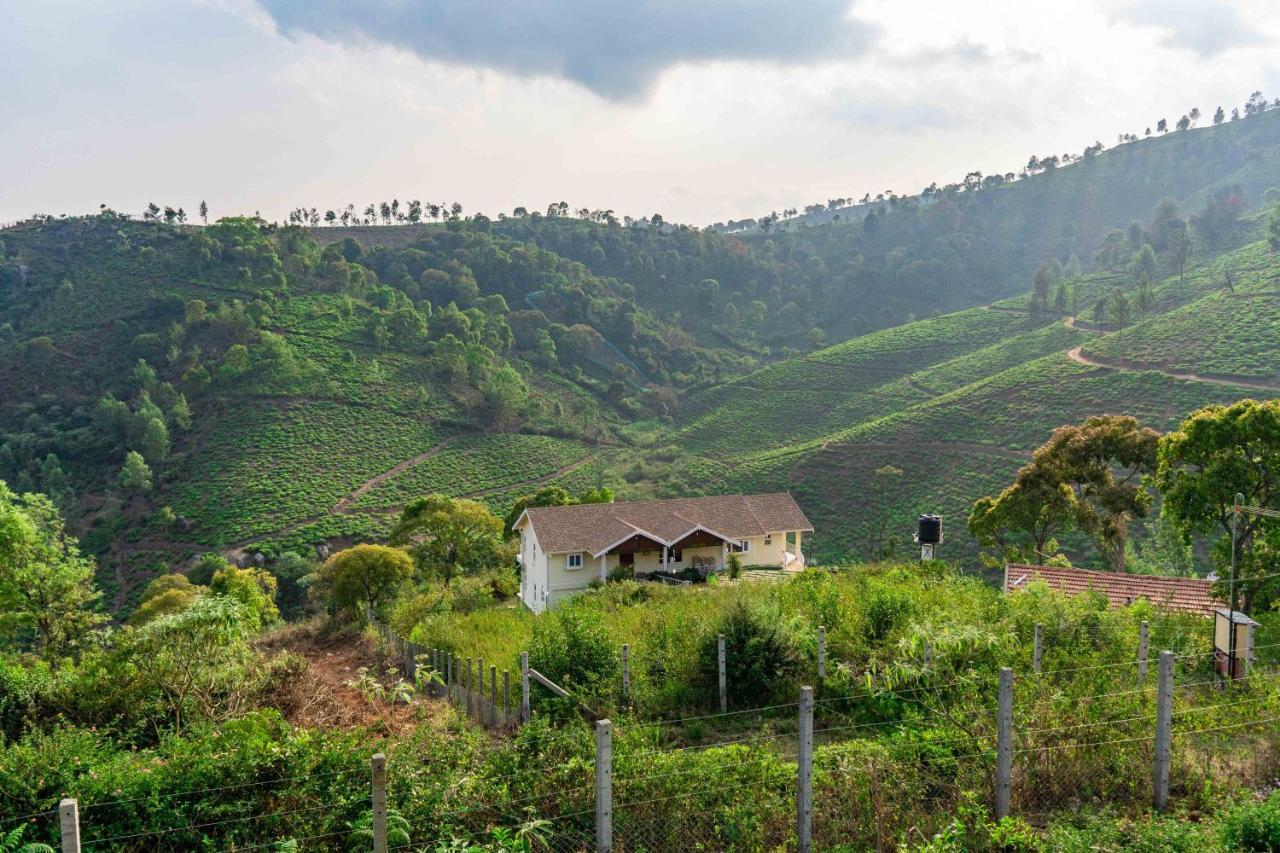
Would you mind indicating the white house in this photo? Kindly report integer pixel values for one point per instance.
(563, 548)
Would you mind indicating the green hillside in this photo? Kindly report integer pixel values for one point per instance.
(284, 388)
(949, 431)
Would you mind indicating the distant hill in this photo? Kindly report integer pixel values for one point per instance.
(287, 388)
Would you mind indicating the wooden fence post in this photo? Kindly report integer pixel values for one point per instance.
(1164, 730)
(466, 688)
(493, 696)
(506, 697)
(69, 825)
(448, 678)
(1004, 744)
(524, 687)
(379, 803)
(1037, 653)
(604, 786)
(1144, 643)
(724, 692)
(804, 772)
(410, 663)
(626, 672)
(822, 654)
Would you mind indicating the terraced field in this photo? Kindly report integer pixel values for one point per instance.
(824, 392)
(475, 466)
(1235, 335)
(929, 433)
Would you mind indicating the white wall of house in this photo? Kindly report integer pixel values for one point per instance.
(534, 584)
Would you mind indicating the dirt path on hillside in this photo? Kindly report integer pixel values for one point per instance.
(364, 488)
(941, 446)
(1077, 355)
(1074, 324)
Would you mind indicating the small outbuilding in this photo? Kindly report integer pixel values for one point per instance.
(1184, 595)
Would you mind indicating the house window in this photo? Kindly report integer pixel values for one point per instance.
(768, 539)
(676, 556)
(573, 561)
(744, 546)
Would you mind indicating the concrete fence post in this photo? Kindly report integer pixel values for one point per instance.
(604, 786)
(1037, 654)
(1164, 730)
(379, 803)
(822, 654)
(724, 691)
(1004, 744)
(69, 825)
(524, 687)
(626, 672)
(1144, 643)
(804, 772)
(480, 715)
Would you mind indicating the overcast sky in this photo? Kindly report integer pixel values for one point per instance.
(702, 110)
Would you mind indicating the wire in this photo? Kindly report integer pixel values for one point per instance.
(28, 816)
(210, 823)
(714, 716)
(223, 788)
(273, 843)
(1230, 726)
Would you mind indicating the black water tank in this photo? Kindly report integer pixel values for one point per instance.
(929, 530)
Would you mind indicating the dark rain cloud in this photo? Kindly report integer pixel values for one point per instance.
(615, 48)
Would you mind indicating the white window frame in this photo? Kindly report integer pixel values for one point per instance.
(569, 565)
(744, 546)
(768, 539)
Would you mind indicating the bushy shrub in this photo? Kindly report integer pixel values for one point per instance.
(886, 609)
(762, 654)
(1252, 826)
(572, 648)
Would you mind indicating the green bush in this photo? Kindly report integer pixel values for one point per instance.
(1252, 826)
(762, 656)
(573, 649)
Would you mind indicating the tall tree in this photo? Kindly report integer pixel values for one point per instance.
(1086, 477)
(448, 537)
(1216, 453)
(364, 578)
(46, 585)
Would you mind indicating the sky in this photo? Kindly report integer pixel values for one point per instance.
(701, 110)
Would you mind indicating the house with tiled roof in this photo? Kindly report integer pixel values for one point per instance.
(564, 548)
(1185, 595)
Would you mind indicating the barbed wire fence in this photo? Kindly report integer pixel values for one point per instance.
(1147, 734)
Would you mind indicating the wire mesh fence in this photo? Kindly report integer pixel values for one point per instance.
(891, 764)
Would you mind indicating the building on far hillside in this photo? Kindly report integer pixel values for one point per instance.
(1186, 595)
(564, 548)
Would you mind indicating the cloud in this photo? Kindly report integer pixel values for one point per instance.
(1206, 27)
(615, 48)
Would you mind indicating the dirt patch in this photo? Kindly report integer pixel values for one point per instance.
(321, 696)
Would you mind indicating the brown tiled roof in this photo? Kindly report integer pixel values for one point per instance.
(595, 527)
(1188, 595)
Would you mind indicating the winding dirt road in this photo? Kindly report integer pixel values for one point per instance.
(1077, 355)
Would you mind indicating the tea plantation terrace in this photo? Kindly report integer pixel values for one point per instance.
(564, 548)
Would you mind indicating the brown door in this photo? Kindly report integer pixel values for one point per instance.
(627, 560)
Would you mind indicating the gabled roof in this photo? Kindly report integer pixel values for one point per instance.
(1187, 595)
(597, 527)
